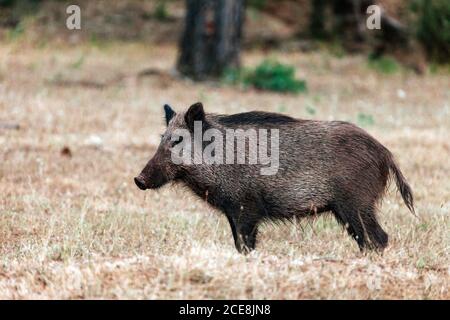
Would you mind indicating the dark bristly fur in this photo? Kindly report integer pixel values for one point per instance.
(324, 166)
(255, 118)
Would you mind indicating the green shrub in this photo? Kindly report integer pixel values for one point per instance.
(274, 76)
(78, 63)
(310, 109)
(257, 4)
(16, 32)
(365, 120)
(433, 27)
(161, 13)
(268, 75)
(232, 76)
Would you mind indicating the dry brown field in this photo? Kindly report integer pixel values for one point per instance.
(74, 226)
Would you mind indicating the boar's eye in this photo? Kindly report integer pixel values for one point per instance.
(175, 142)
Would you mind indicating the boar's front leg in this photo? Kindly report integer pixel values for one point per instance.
(244, 233)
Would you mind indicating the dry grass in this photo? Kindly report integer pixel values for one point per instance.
(76, 226)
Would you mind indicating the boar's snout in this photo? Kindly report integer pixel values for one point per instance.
(140, 182)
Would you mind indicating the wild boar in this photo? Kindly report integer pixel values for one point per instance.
(322, 166)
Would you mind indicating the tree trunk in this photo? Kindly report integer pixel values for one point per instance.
(317, 22)
(211, 39)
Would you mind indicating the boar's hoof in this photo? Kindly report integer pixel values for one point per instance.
(242, 246)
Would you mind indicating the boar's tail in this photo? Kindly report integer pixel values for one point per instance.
(402, 185)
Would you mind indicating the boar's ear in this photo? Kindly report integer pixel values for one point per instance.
(169, 113)
(194, 113)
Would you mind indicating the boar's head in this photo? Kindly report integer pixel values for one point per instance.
(162, 168)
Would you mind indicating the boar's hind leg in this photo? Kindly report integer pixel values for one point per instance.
(362, 225)
(248, 232)
(349, 218)
(377, 236)
(244, 234)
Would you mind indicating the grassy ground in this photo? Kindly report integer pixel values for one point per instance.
(73, 225)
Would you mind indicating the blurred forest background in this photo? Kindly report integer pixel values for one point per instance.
(212, 34)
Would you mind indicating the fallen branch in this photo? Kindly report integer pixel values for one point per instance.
(9, 126)
(117, 80)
